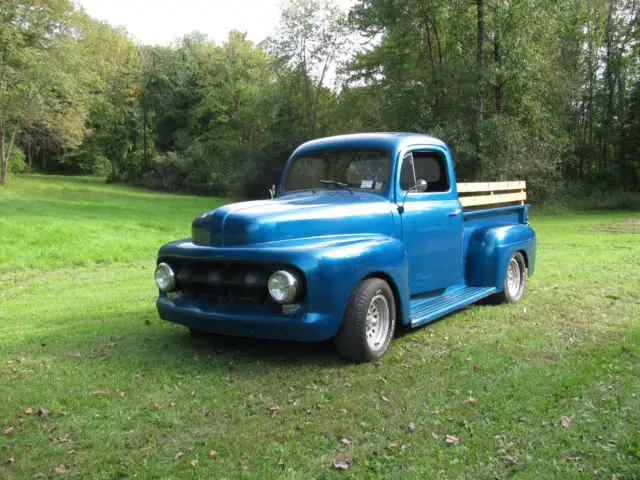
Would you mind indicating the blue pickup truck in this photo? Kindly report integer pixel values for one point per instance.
(365, 232)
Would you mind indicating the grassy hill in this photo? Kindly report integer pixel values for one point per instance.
(548, 388)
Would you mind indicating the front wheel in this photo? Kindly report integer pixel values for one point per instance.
(369, 322)
(514, 280)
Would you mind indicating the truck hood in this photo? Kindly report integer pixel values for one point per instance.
(298, 215)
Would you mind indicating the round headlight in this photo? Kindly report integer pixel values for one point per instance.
(165, 278)
(283, 286)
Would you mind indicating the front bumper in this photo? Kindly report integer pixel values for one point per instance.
(299, 325)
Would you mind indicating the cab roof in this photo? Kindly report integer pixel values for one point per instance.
(391, 141)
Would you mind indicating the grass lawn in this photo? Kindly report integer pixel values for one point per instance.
(547, 388)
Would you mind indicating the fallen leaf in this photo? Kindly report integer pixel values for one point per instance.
(566, 421)
(346, 441)
(343, 410)
(172, 404)
(43, 414)
(194, 463)
(274, 411)
(384, 399)
(470, 399)
(411, 427)
(28, 411)
(178, 456)
(8, 431)
(341, 465)
(206, 412)
(112, 345)
(212, 453)
(403, 448)
(452, 440)
(61, 440)
(193, 394)
(394, 445)
(475, 366)
(11, 460)
(52, 428)
(190, 449)
(61, 468)
(348, 385)
(156, 406)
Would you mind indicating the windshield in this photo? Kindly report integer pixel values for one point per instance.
(339, 169)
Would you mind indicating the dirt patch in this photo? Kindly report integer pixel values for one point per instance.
(625, 227)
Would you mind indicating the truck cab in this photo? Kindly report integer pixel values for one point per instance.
(365, 233)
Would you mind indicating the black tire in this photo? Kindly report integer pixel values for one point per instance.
(351, 341)
(511, 294)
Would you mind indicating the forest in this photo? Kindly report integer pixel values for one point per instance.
(542, 90)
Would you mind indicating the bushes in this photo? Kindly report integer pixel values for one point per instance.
(17, 163)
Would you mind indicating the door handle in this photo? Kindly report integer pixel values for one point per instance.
(457, 211)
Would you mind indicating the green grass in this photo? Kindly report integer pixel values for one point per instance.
(79, 333)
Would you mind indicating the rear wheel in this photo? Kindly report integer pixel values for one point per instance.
(369, 322)
(514, 280)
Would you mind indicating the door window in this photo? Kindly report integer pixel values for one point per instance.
(429, 166)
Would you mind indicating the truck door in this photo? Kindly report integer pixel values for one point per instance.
(432, 221)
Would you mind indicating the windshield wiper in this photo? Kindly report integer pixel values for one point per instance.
(337, 184)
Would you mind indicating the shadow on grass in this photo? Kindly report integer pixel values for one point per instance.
(249, 350)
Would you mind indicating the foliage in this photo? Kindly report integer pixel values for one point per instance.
(81, 336)
(16, 162)
(542, 90)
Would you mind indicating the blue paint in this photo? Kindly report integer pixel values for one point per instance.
(435, 257)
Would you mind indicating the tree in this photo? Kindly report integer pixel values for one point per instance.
(43, 78)
(312, 36)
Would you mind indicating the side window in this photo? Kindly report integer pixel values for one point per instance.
(407, 175)
(432, 167)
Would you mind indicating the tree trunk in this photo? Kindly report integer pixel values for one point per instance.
(30, 152)
(480, 73)
(3, 175)
(497, 59)
(610, 86)
(5, 151)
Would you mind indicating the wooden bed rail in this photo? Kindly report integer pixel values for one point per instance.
(485, 193)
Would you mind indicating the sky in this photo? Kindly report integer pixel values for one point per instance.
(160, 22)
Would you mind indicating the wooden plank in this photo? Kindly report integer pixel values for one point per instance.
(491, 199)
(491, 186)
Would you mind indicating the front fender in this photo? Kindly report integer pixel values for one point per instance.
(341, 267)
(490, 250)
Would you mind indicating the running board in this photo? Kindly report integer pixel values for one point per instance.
(424, 310)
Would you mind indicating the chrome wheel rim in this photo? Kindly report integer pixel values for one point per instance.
(377, 322)
(514, 279)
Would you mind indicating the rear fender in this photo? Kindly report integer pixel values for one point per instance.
(490, 250)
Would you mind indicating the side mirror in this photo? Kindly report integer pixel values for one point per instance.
(272, 191)
(420, 186)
